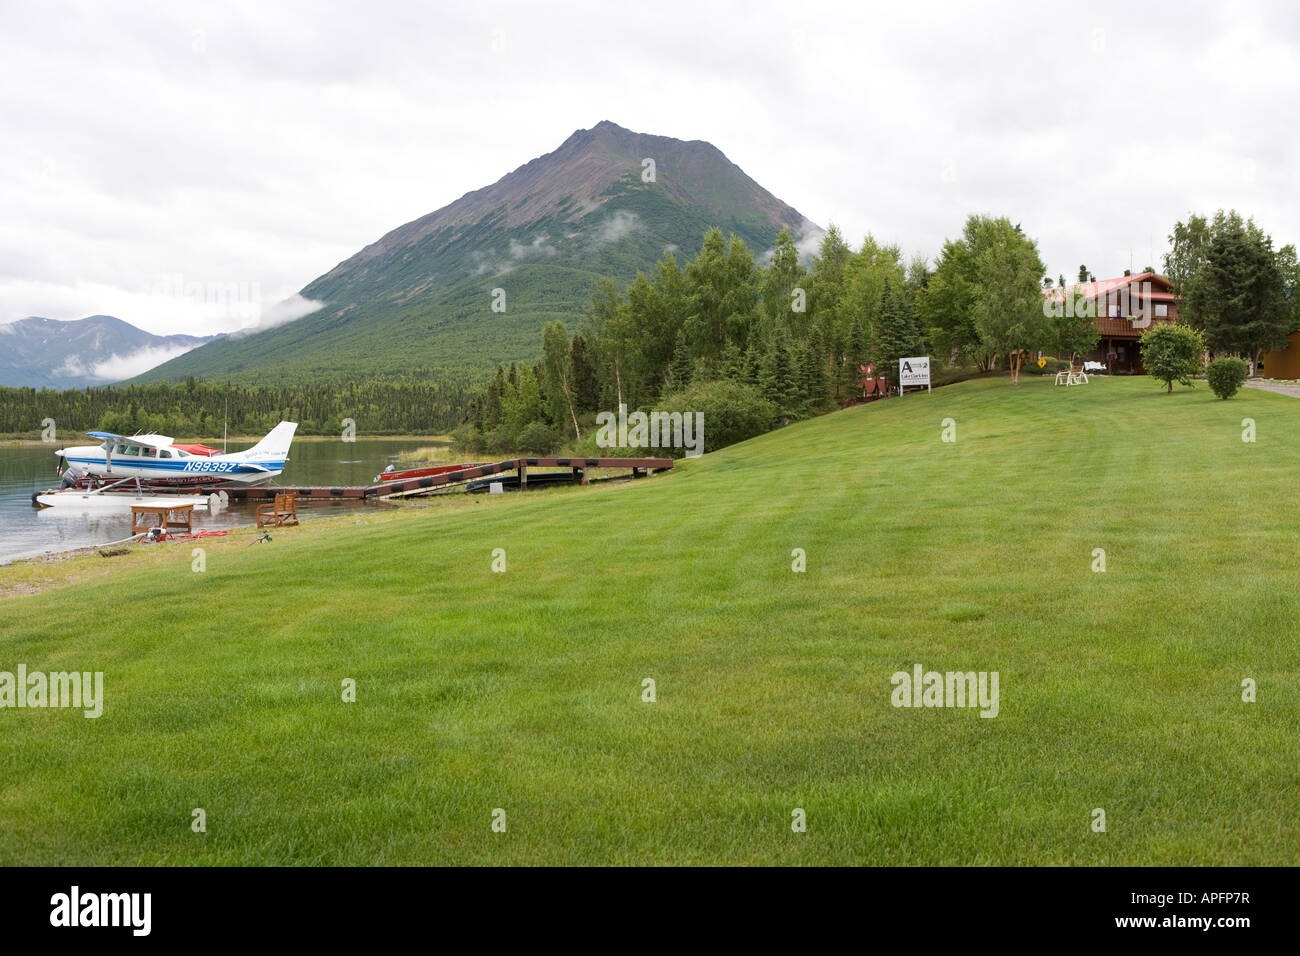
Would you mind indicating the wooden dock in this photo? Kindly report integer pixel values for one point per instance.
(430, 484)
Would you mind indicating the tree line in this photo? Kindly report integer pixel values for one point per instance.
(425, 404)
(775, 340)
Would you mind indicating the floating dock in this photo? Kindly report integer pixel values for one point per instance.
(429, 484)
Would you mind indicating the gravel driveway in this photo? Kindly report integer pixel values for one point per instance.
(1284, 388)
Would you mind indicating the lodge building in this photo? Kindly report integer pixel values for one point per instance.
(1126, 307)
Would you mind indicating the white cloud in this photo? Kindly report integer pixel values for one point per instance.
(490, 262)
(809, 241)
(537, 248)
(288, 310)
(117, 367)
(73, 367)
(618, 226)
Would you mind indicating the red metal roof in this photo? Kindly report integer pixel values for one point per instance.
(1099, 292)
(1101, 288)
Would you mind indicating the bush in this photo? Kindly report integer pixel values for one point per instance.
(537, 438)
(733, 411)
(466, 438)
(1051, 368)
(951, 375)
(1226, 375)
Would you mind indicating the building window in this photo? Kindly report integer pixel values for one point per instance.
(1162, 311)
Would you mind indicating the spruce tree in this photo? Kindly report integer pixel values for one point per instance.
(681, 371)
(855, 354)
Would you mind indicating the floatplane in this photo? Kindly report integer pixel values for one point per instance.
(132, 464)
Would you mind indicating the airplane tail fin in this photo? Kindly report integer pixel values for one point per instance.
(276, 443)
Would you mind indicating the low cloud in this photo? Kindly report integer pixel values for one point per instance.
(73, 367)
(117, 367)
(807, 243)
(289, 310)
(621, 224)
(810, 238)
(492, 263)
(538, 247)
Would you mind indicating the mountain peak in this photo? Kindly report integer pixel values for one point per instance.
(581, 176)
(607, 202)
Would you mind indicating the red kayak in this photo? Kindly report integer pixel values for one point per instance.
(424, 472)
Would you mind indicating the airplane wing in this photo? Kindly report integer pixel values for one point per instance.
(152, 441)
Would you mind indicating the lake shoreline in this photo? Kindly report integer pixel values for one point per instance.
(52, 570)
(27, 532)
(15, 442)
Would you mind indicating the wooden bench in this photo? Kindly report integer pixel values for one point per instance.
(283, 511)
(146, 517)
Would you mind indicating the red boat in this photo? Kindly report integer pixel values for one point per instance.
(201, 450)
(424, 472)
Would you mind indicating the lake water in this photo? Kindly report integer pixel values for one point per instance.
(27, 531)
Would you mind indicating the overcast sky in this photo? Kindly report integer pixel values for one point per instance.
(155, 154)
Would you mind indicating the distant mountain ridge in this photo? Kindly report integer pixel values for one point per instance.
(37, 352)
(421, 295)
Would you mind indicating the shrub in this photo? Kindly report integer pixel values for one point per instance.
(1051, 368)
(733, 411)
(1226, 375)
(466, 438)
(1172, 353)
(951, 375)
(537, 438)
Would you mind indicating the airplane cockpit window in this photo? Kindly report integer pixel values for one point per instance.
(151, 453)
(164, 453)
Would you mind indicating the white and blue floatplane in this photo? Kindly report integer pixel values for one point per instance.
(132, 464)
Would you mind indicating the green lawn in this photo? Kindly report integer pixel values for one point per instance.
(479, 690)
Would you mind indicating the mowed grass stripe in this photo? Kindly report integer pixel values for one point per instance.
(522, 690)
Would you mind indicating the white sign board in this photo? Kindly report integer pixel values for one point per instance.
(914, 371)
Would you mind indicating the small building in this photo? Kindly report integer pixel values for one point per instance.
(1126, 307)
(1284, 362)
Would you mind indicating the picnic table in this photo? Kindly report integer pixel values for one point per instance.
(146, 517)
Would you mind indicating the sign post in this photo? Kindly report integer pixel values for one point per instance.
(914, 371)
